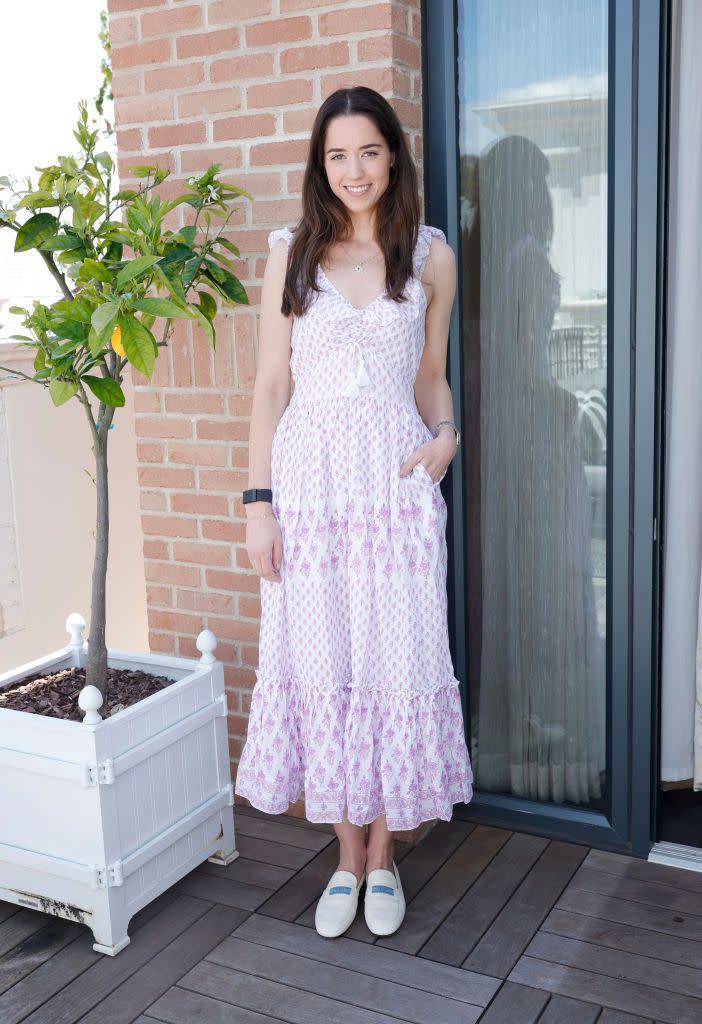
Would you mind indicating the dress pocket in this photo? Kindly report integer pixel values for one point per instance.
(425, 473)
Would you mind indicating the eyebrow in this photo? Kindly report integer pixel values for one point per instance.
(369, 145)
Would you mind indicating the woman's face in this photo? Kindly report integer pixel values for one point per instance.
(357, 161)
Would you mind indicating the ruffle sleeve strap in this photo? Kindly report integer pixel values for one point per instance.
(421, 251)
(279, 233)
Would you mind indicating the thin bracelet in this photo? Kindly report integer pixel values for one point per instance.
(266, 515)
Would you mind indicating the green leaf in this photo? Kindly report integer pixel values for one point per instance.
(35, 231)
(188, 234)
(106, 389)
(104, 315)
(135, 268)
(139, 344)
(137, 221)
(208, 305)
(205, 324)
(228, 245)
(162, 307)
(231, 286)
(62, 390)
(18, 310)
(93, 269)
(143, 170)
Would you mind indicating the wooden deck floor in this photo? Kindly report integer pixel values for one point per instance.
(501, 927)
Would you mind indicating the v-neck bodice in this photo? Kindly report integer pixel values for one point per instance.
(341, 350)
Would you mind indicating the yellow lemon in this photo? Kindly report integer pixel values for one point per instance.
(117, 341)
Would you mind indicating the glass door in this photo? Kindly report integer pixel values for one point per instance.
(538, 205)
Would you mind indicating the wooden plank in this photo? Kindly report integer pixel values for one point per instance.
(648, 871)
(563, 1010)
(157, 975)
(464, 926)
(515, 1004)
(178, 1006)
(609, 908)
(294, 1004)
(632, 997)
(625, 937)
(18, 927)
(7, 910)
(448, 885)
(222, 890)
(617, 964)
(382, 964)
(267, 852)
(284, 819)
(72, 982)
(653, 894)
(615, 1017)
(505, 940)
(277, 832)
(293, 898)
(350, 986)
(249, 872)
(36, 950)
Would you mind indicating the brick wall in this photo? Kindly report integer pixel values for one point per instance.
(236, 82)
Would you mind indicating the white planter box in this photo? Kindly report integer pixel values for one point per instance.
(99, 817)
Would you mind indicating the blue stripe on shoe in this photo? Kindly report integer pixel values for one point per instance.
(340, 888)
(383, 888)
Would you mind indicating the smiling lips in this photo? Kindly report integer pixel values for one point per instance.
(357, 190)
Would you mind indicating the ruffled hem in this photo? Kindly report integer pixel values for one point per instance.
(356, 752)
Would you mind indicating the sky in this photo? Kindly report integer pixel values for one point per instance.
(49, 60)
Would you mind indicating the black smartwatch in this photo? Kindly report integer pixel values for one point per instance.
(258, 494)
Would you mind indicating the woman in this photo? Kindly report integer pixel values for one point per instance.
(355, 698)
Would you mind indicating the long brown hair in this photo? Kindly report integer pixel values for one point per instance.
(325, 219)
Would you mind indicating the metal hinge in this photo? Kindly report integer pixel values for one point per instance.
(108, 876)
(102, 774)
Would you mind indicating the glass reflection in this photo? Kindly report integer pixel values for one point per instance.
(533, 136)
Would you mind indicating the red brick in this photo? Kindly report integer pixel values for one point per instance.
(235, 69)
(129, 141)
(279, 31)
(155, 549)
(222, 480)
(223, 12)
(176, 621)
(164, 476)
(126, 83)
(202, 554)
(198, 454)
(313, 58)
(156, 51)
(223, 529)
(233, 629)
(161, 643)
(123, 30)
(180, 575)
(195, 600)
(240, 405)
(168, 21)
(206, 43)
(159, 596)
(146, 400)
(140, 109)
(152, 501)
(380, 79)
(371, 17)
(219, 580)
(289, 151)
(244, 126)
(249, 607)
(197, 402)
(150, 453)
(169, 526)
(130, 5)
(200, 504)
(223, 430)
(278, 94)
(177, 134)
(208, 101)
(197, 159)
(177, 76)
(158, 426)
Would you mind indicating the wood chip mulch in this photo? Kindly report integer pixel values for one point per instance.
(56, 695)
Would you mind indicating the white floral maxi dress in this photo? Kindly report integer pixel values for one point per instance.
(355, 701)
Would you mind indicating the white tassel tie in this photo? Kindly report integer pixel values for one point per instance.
(358, 379)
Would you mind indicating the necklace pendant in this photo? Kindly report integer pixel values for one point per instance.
(359, 266)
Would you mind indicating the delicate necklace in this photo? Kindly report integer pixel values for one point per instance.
(360, 265)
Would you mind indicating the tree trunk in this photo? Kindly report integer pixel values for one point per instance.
(96, 669)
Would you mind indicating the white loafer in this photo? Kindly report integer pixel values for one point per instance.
(384, 904)
(338, 903)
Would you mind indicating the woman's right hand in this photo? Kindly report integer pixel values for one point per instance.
(264, 544)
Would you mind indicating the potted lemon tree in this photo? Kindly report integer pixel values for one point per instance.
(114, 766)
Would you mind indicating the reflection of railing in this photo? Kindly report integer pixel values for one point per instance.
(574, 350)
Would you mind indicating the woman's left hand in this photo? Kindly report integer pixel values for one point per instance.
(435, 456)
